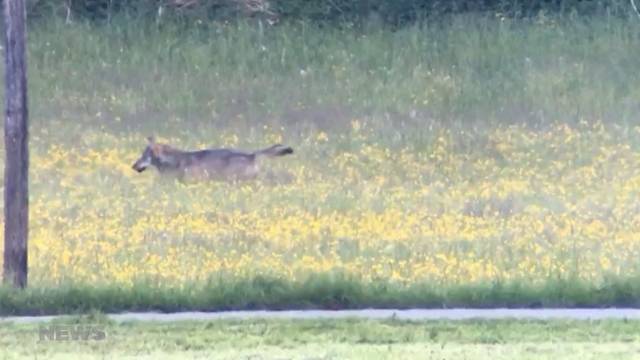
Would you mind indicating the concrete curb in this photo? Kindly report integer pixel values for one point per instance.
(410, 314)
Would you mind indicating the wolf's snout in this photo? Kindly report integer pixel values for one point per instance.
(138, 167)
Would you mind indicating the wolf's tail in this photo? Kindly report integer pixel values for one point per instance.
(275, 150)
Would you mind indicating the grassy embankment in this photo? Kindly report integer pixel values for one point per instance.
(343, 339)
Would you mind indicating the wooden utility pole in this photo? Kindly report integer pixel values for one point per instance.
(16, 197)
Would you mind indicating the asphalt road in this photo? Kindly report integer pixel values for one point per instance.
(411, 314)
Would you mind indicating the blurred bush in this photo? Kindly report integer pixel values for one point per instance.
(394, 12)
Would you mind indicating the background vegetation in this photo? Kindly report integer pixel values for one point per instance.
(358, 12)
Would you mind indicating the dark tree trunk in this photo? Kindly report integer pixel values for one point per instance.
(16, 197)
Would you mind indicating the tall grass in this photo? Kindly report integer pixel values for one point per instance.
(467, 69)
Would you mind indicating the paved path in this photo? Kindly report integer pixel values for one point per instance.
(412, 314)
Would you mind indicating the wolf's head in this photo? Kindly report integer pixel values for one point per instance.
(150, 155)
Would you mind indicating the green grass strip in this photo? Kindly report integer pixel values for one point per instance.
(324, 291)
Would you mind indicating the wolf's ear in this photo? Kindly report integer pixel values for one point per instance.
(156, 149)
(151, 140)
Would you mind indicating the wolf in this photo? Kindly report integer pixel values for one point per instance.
(208, 164)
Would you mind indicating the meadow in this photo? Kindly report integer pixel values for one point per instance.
(472, 151)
